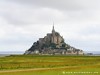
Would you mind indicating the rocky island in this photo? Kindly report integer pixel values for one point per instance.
(53, 44)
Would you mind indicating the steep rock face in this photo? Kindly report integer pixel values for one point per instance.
(52, 43)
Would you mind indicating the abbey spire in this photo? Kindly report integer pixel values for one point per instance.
(53, 29)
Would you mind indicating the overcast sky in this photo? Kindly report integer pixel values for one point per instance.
(23, 22)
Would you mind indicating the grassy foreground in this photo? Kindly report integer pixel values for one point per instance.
(59, 65)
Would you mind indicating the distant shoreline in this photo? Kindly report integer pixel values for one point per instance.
(3, 55)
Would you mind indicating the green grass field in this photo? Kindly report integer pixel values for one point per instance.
(51, 65)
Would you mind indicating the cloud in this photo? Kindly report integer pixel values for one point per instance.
(63, 4)
(17, 12)
(22, 15)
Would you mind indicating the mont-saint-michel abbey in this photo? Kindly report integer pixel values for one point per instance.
(53, 44)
